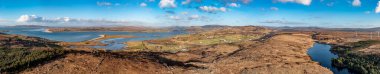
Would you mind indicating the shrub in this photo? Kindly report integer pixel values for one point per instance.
(17, 58)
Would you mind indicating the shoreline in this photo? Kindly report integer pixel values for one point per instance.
(48, 31)
(281, 52)
(109, 29)
(116, 31)
(100, 36)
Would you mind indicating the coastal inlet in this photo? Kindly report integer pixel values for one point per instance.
(101, 40)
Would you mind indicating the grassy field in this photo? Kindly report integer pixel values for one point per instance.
(179, 44)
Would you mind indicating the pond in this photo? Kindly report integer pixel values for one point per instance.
(321, 53)
(112, 44)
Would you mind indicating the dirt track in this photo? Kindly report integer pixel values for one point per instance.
(280, 54)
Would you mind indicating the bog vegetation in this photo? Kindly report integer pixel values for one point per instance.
(17, 58)
(363, 64)
(19, 52)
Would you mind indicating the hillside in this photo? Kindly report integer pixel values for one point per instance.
(267, 53)
(21, 52)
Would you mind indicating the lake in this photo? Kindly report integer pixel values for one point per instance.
(112, 44)
(321, 53)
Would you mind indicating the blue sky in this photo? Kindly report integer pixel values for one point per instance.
(321, 13)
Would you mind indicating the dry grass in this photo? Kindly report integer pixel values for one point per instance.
(184, 42)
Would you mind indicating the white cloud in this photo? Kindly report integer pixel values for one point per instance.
(67, 21)
(304, 2)
(30, 18)
(377, 10)
(143, 4)
(356, 3)
(38, 19)
(184, 13)
(103, 3)
(186, 19)
(274, 8)
(167, 4)
(282, 22)
(194, 17)
(223, 9)
(246, 1)
(233, 5)
(174, 17)
(186, 2)
(34, 18)
(212, 9)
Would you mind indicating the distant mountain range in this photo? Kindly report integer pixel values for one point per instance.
(328, 29)
(359, 29)
(32, 26)
(221, 26)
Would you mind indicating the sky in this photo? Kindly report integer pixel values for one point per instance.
(294, 13)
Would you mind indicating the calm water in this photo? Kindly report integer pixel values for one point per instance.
(321, 53)
(112, 44)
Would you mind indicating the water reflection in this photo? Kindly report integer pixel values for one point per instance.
(321, 53)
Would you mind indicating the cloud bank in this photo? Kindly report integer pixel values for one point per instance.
(103, 3)
(304, 2)
(212, 9)
(67, 21)
(30, 18)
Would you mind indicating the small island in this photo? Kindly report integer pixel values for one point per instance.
(84, 45)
